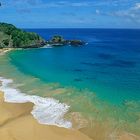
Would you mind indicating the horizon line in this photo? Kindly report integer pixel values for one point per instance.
(79, 28)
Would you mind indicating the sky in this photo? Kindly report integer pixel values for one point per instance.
(71, 13)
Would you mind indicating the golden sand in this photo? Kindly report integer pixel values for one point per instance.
(16, 123)
(5, 50)
(127, 136)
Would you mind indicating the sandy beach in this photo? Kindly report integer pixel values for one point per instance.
(5, 50)
(16, 123)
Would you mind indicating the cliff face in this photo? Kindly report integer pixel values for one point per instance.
(12, 37)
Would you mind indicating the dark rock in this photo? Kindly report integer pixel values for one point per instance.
(58, 40)
(76, 42)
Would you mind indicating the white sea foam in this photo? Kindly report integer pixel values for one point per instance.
(46, 110)
(48, 46)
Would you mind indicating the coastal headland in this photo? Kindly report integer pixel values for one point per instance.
(12, 37)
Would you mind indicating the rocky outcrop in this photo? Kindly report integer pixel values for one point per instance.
(12, 37)
(58, 40)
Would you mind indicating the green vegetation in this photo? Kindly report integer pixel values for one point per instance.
(10, 36)
(58, 40)
(3, 38)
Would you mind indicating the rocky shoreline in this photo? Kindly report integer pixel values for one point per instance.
(12, 37)
(58, 40)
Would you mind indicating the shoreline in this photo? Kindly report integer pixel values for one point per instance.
(52, 109)
(5, 50)
(16, 117)
(99, 132)
(16, 122)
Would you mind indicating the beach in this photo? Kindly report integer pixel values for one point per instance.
(16, 123)
(3, 51)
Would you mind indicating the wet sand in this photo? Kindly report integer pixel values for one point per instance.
(16, 123)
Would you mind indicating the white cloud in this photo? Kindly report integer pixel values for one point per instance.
(133, 13)
(137, 6)
(102, 7)
(97, 12)
(45, 4)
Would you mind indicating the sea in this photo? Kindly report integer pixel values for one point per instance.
(72, 85)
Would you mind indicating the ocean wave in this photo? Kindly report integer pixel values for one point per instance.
(47, 46)
(46, 110)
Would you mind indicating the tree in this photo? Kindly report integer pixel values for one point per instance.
(57, 39)
(18, 37)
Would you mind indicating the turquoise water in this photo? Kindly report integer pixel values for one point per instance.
(109, 65)
(100, 80)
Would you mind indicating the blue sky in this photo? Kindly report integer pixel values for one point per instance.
(71, 13)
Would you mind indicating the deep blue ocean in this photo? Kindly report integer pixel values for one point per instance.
(109, 65)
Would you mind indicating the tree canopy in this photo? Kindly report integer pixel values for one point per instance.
(18, 37)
